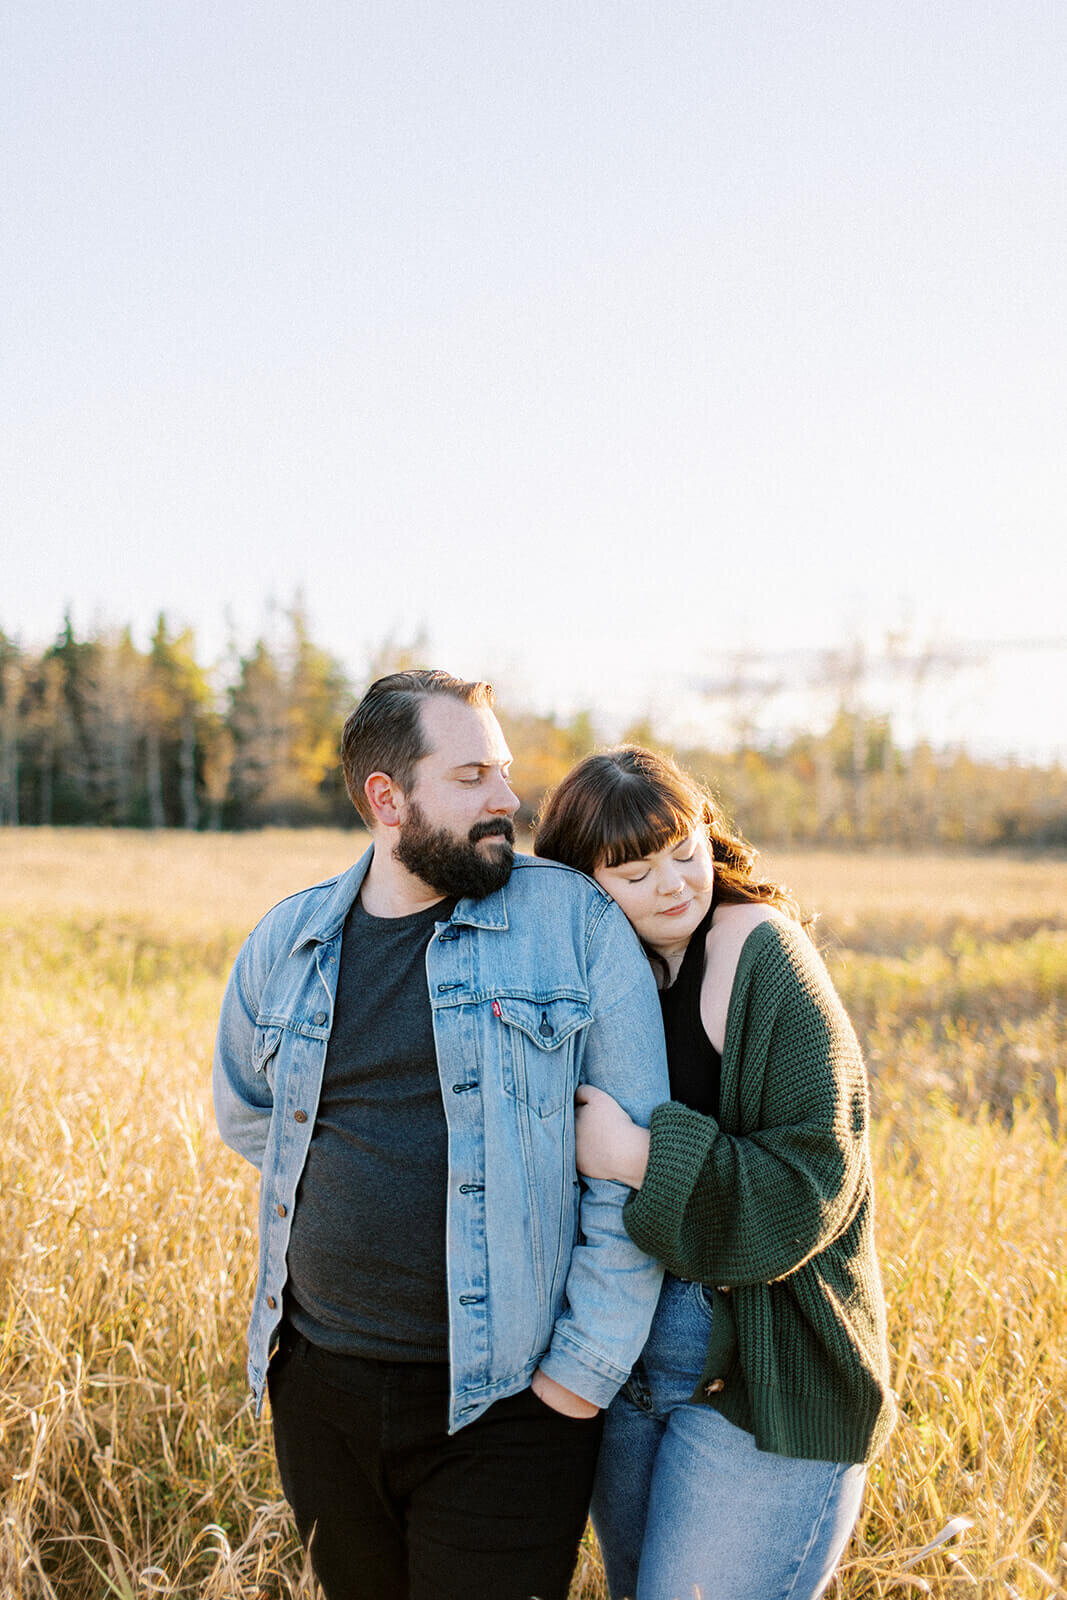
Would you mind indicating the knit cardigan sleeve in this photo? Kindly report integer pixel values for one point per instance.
(752, 1196)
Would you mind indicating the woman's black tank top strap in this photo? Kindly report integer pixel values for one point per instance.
(694, 1064)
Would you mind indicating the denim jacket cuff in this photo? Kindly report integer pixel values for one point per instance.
(584, 1373)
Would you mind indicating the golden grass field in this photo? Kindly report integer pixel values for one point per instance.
(130, 1463)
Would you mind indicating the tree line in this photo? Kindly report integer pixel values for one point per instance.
(97, 731)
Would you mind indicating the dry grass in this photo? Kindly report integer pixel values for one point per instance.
(129, 1461)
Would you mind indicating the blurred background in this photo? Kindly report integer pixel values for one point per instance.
(694, 372)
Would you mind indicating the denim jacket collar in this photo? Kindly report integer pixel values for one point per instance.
(328, 918)
(490, 912)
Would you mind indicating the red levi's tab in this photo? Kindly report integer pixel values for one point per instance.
(496, 1008)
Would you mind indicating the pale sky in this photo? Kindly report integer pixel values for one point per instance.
(597, 339)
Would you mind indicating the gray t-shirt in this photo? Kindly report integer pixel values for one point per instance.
(367, 1248)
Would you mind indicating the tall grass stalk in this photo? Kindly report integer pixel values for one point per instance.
(130, 1461)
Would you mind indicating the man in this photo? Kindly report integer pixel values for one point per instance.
(398, 1053)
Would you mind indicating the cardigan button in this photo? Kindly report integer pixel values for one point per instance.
(715, 1386)
(722, 1288)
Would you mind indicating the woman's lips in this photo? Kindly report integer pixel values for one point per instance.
(676, 911)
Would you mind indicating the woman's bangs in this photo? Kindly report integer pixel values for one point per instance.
(635, 825)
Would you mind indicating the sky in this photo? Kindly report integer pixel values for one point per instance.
(624, 350)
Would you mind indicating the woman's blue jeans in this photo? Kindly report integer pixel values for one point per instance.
(685, 1506)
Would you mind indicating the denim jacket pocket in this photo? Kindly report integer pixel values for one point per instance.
(265, 1048)
(540, 1037)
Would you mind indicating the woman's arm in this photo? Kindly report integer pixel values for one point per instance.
(753, 1206)
(608, 1143)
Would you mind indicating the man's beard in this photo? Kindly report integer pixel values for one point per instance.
(452, 866)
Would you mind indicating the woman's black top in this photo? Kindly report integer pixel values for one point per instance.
(694, 1064)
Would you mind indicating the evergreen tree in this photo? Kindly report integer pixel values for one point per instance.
(177, 703)
(11, 712)
(257, 723)
(320, 697)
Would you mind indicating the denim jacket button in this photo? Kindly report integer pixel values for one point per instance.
(320, 1018)
(281, 1210)
(300, 1116)
(272, 1303)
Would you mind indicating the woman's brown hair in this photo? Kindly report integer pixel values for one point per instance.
(628, 803)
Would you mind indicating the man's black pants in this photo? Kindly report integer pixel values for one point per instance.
(395, 1509)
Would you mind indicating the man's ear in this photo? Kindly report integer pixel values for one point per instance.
(385, 798)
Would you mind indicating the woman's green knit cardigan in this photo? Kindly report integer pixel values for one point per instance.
(771, 1207)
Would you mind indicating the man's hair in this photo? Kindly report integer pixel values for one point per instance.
(383, 733)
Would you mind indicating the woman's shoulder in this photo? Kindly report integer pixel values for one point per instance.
(731, 925)
(777, 963)
(753, 938)
(731, 928)
(742, 929)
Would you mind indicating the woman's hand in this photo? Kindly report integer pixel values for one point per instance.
(565, 1401)
(609, 1144)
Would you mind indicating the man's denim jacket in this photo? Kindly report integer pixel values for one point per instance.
(534, 989)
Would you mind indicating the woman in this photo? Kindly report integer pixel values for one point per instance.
(733, 1461)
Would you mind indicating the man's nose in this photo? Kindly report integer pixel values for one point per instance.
(503, 798)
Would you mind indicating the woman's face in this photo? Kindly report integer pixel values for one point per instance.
(666, 895)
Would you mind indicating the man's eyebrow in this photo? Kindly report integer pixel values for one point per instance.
(482, 766)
